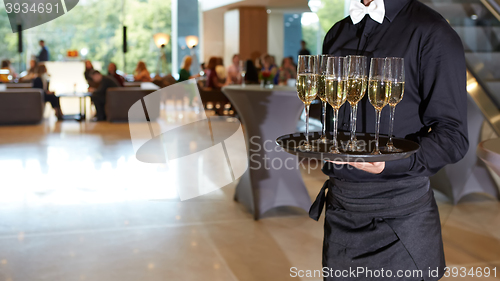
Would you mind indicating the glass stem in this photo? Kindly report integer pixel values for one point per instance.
(243, 80)
(323, 135)
(391, 125)
(354, 115)
(307, 123)
(377, 129)
(335, 128)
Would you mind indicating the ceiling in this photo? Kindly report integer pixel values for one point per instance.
(276, 5)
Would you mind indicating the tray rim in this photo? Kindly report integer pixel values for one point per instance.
(345, 156)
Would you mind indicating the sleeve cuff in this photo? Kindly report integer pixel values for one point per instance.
(398, 166)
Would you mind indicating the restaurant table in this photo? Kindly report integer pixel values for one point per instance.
(81, 116)
(273, 177)
(489, 152)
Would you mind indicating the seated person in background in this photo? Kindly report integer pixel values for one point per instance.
(41, 82)
(203, 68)
(185, 72)
(5, 72)
(252, 76)
(32, 72)
(112, 72)
(270, 67)
(164, 81)
(9, 72)
(233, 71)
(220, 69)
(141, 73)
(287, 71)
(99, 94)
(89, 69)
(212, 78)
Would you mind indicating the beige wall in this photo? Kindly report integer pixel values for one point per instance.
(213, 34)
(243, 30)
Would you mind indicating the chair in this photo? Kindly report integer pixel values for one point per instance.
(119, 101)
(21, 106)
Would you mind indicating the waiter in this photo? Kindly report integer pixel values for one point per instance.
(383, 216)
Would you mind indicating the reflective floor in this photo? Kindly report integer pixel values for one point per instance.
(75, 204)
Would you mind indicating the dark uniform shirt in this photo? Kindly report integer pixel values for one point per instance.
(433, 111)
(390, 220)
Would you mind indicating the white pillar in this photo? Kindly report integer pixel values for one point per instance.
(231, 35)
(173, 37)
(276, 36)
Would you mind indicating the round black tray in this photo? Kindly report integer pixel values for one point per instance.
(291, 142)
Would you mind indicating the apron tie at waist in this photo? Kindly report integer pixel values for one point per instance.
(317, 206)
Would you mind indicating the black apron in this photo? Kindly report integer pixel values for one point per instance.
(376, 228)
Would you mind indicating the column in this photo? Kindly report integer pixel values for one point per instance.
(185, 22)
(245, 33)
(276, 36)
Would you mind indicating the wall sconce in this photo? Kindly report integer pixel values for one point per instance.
(192, 41)
(161, 39)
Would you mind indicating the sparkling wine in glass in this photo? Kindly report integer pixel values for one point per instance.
(336, 91)
(306, 89)
(356, 89)
(377, 93)
(395, 89)
(243, 72)
(321, 64)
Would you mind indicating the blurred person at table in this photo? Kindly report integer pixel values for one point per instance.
(43, 55)
(213, 81)
(185, 72)
(99, 94)
(32, 72)
(42, 82)
(292, 61)
(120, 80)
(220, 69)
(89, 69)
(141, 73)
(273, 61)
(287, 71)
(303, 49)
(5, 73)
(234, 71)
(252, 76)
(268, 67)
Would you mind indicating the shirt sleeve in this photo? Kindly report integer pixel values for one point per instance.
(443, 109)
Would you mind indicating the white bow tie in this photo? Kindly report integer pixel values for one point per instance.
(376, 10)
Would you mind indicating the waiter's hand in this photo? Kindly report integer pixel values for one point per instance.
(370, 167)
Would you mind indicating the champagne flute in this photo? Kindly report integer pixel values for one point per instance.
(377, 93)
(336, 91)
(243, 72)
(307, 89)
(356, 88)
(396, 88)
(321, 64)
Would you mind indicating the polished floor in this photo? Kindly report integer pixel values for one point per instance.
(75, 204)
